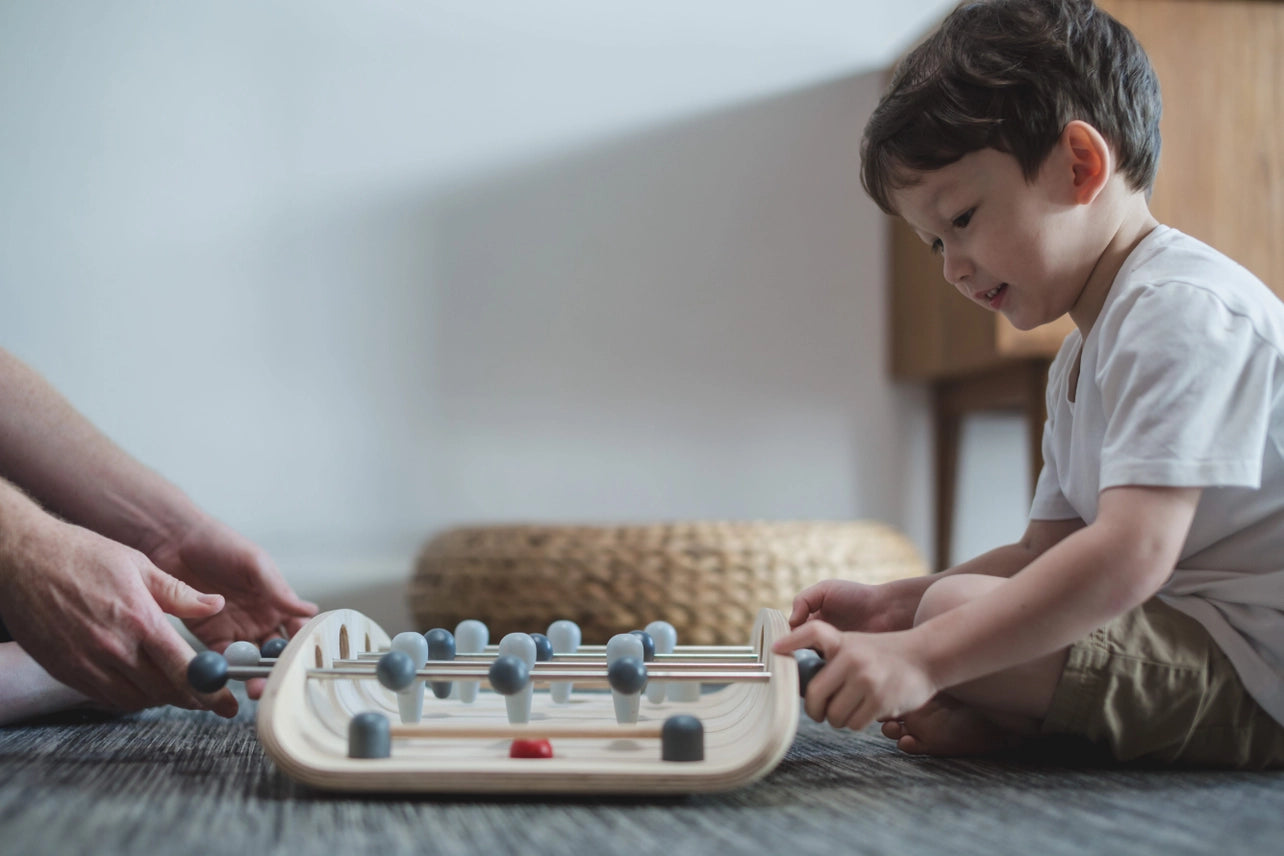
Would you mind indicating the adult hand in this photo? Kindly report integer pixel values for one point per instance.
(867, 676)
(92, 612)
(853, 606)
(212, 557)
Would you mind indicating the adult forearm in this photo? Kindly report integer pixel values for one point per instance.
(23, 526)
(71, 468)
(21, 522)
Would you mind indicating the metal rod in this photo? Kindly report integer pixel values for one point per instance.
(245, 673)
(532, 731)
(588, 668)
(731, 656)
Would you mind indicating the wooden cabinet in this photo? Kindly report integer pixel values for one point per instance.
(1221, 179)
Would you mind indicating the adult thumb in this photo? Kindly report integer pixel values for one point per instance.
(178, 598)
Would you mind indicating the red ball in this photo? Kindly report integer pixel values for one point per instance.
(531, 749)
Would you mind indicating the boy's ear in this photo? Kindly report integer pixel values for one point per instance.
(1089, 156)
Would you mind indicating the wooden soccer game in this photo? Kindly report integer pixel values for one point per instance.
(348, 708)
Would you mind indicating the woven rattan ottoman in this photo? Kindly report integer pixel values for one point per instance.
(708, 579)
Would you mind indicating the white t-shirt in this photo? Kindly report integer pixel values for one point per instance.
(1181, 384)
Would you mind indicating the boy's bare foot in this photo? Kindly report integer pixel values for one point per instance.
(944, 726)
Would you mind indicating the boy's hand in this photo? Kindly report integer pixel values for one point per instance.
(866, 677)
(260, 604)
(852, 606)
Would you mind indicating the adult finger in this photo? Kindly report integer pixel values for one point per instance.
(296, 623)
(222, 702)
(283, 599)
(297, 606)
(169, 657)
(181, 694)
(265, 573)
(176, 597)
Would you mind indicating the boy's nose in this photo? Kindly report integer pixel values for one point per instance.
(957, 270)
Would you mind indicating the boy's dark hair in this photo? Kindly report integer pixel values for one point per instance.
(1010, 75)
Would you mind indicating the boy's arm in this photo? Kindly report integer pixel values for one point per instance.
(1089, 577)
(1005, 561)
(891, 606)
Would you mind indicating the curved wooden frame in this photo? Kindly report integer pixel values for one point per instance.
(303, 726)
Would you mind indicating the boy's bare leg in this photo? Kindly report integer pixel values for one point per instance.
(986, 715)
(26, 689)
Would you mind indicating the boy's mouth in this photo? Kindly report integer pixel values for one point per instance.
(993, 296)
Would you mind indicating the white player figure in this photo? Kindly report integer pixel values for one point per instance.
(681, 691)
(242, 654)
(666, 639)
(410, 701)
(521, 646)
(471, 638)
(565, 636)
(626, 704)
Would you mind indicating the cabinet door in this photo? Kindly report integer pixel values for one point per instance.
(1221, 173)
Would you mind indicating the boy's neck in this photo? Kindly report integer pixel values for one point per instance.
(1134, 223)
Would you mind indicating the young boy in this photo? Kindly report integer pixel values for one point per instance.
(1143, 608)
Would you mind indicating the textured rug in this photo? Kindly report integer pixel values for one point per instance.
(169, 781)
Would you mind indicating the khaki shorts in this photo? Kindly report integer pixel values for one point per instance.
(1153, 686)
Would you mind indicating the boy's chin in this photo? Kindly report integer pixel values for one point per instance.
(1023, 323)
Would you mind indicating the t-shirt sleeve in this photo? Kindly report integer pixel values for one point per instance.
(1186, 392)
(1049, 502)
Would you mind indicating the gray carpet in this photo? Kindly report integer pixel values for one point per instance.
(168, 781)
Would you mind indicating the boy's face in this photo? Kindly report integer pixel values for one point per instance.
(1009, 245)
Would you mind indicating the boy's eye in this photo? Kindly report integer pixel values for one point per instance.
(959, 222)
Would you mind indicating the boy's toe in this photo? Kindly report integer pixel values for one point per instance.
(911, 745)
(894, 729)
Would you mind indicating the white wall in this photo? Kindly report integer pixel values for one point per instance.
(993, 499)
(353, 272)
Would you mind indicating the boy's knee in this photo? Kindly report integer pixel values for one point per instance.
(948, 592)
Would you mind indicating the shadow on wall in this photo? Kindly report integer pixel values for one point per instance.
(687, 322)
